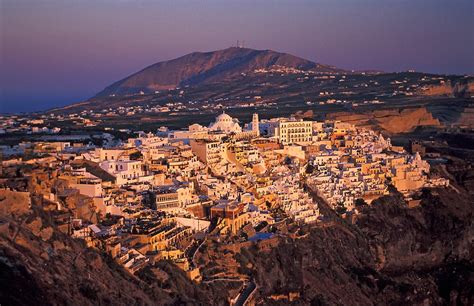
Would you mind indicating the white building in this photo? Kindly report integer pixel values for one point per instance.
(295, 132)
(207, 151)
(125, 171)
(225, 123)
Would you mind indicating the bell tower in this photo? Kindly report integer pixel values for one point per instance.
(255, 125)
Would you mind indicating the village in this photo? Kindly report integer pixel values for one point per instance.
(344, 90)
(160, 196)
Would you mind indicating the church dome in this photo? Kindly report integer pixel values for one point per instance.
(225, 123)
(224, 118)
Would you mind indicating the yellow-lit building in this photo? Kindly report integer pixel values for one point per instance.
(297, 131)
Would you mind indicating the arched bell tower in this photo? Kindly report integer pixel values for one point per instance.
(255, 125)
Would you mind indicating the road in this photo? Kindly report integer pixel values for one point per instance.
(246, 293)
(223, 279)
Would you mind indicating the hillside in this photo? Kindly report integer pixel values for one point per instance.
(389, 254)
(392, 121)
(40, 264)
(203, 67)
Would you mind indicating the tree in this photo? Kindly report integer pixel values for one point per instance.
(136, 155)
(341, 209)
(309, 168)
(360, 202)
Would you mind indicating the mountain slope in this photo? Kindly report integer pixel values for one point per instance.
(202, 67)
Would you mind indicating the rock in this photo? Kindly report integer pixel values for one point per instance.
(46, 233)
(59, 245)
(96, 262)
(14, 203)
(459, 89)
(35, 226)
(391, 121)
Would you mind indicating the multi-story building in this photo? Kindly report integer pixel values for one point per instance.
(124, 171)
(208, 151)
(112, 153)
(294, 131)
(173, 197)
(232, 215)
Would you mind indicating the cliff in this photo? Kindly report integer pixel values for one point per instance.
(392, 121)
(462, 88)
(388, 254)
(41, 265)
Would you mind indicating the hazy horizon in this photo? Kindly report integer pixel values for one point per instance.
(55, 53)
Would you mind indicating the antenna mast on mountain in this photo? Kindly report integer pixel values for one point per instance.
(240, 44)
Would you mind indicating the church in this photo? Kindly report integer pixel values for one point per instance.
(225, 123)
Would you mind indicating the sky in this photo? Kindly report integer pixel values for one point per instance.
(54, 53)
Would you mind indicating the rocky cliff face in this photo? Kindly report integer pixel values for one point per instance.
(456, 89)
(39, 264)
(466, 118)
(391, 121)
(388, 254)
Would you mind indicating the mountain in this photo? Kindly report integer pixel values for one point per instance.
(206, 67)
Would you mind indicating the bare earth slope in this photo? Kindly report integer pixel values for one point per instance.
(392, 121)
(462, 88)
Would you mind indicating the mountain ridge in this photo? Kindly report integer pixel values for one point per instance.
(207, 67)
